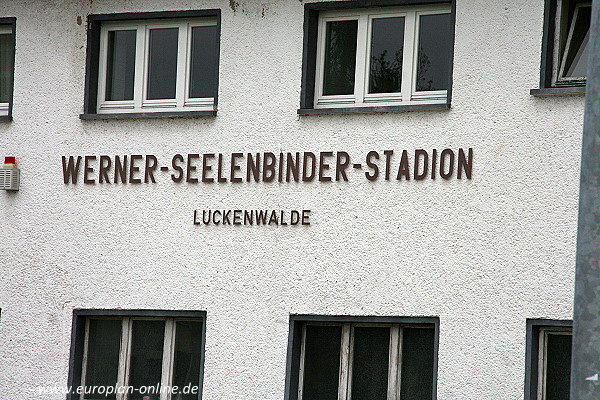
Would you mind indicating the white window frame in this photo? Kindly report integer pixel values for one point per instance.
(140, 103)
(559, 58)
(125, 352)
(347, 355)
(5, 107)
(543, 355)
(361, 98)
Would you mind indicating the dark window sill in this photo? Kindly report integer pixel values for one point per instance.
(168, 114)
(7, 118)
(558, 91)
(379, 109)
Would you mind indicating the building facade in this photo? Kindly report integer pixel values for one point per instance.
(286, 199)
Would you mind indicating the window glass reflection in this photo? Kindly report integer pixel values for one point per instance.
(434, 52)
(340, 57)
(387, 45)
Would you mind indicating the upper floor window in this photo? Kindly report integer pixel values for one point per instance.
(573, 33)
(7, 53)
(565, 48)
(373, 57)
(156, 65)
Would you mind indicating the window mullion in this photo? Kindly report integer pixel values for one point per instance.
(399, 368)
(141, 69)
(102, 72)
(542, 364)
(301, 368)
(187, 77)
(556, 48)
(409, 56)
(320, 67)
(394, 364)
(369, 45)
(182, 62)
(167, 361)
(85, 356)
(350, 363)
(343, 384)
(123, 371)
(360, 73)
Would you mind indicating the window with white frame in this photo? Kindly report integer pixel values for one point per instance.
(366, 361)
(554, 363)
(7, 49)
(383, 56)
(153, 65)
(140, 358)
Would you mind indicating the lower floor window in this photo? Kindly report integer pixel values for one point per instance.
(366, 361)
(140, 358)
(548, 360)
(554, 363)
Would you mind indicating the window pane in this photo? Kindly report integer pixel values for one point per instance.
(104, 343)
(387, 43)
(162, 63)
(6, 50)
(417, 363)
(370, 363)
(146, 356)
(434, 52)
(204, 61)
(186, 368)
(576, 59)
(558, 367)
(340, 57)
(321, 362)
(120, 67)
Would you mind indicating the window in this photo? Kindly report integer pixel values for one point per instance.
(358, 358)
(153, 63)
(7, 54)
(549, 360)
(377, 57)
(565, 44)
(137, 355)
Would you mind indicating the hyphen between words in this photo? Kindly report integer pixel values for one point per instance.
(325, 166)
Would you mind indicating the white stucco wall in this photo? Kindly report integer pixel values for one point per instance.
(483, 255)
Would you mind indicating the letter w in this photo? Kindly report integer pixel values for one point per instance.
(261, 216)
(70, 169)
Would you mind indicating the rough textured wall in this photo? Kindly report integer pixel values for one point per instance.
(483, 254)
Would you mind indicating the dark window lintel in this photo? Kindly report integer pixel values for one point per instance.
(341, 5)
(154, 15)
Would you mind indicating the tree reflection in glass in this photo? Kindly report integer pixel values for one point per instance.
(387, 43)
(340, 57)
(435, 49)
